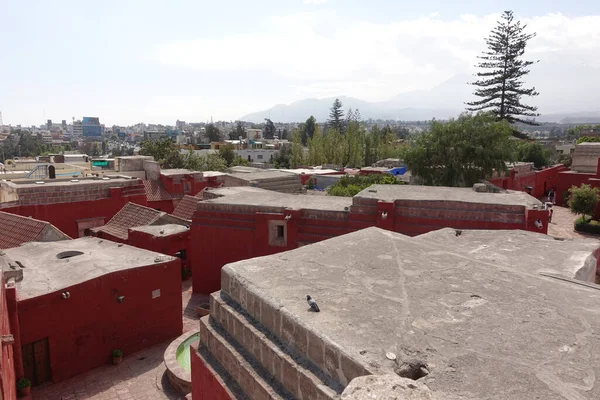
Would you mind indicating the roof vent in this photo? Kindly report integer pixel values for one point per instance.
(68, 254)
(40, 182)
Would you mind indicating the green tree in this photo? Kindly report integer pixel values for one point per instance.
(501, 85)
(269, 131)
(213, 133)
(228, 153)
(349, 186)
(238, 132)
(308, 129)
(353, 143)
(297, 153)
(209, 162)
(583, 200)
(461, 151)
(533, 152)
(159, 149)
(588, 139)
(282, 158)
(336, 116)
(316, 155)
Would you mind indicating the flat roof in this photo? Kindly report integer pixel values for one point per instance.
(45, 273)
(443, 193)
(251, 196)
(171, 172)
(161, 230)
(486, 329)
(30, 183)
(262, 174)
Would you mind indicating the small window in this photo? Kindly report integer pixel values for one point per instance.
(277, 233)
(260, 157)
(186, 187)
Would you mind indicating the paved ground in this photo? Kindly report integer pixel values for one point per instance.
(139, 376)
(562, 225)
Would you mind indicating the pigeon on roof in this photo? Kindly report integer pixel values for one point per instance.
(313, 304)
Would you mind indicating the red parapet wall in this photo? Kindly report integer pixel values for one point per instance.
(83, 330)
(7, 365)
(65, 216)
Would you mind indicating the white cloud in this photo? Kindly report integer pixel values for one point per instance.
(322, 54)
(315, 1)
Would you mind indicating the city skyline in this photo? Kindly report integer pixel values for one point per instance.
(134, 61)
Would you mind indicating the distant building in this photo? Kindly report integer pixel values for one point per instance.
(91, 127)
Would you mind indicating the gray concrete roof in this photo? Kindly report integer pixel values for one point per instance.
(45, 273)
(467, 195)
(174, 172)
(161, 230)
(486, 330)
(251, 196)
(529, 250)
(263, 174)
(29, 183)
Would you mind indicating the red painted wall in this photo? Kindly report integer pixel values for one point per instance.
(540, 181)
(7, 366)
(162, 205)
(84, 329)
(169, 245)
(64, 216)
(205, 385)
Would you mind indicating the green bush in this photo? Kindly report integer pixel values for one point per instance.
(348, 186)
(117, 353)
(588, 225)
(23, 383)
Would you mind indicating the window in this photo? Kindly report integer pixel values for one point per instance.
(186, 187)
(260, 157)
(277, 233)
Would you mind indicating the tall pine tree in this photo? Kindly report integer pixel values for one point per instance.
(501, 85)
(336, 116)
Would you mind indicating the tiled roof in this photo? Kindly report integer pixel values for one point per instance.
(16, 230)
(130, 216)
(186, 207)
(155, 191)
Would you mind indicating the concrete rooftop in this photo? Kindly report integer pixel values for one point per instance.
(161, 230)
(175, 172)
(442, 193)
(251, 196)
(263, 174)
(44, 273)
(29, 183)
(486, 329)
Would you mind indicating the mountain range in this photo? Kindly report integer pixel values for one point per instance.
(443, 101)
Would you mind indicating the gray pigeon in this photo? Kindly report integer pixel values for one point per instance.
(313, 304)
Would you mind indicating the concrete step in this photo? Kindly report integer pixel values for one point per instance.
(252, 379)
(302, 378)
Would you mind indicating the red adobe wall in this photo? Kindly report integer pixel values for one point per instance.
(84, 329)
(221, 234)
(540, 181)
(167, 206)
(64, 214)
(169, 245)
(7, 366)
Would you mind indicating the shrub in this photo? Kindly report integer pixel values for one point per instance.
(588, 225)
(117, 353)
(583, 200)
(348, 186)
(23, 383)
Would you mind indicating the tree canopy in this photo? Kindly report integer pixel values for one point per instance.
(462, 151)
(336, 116)
(500, 86)
(533, 152)
(583, 200)
(213, 133)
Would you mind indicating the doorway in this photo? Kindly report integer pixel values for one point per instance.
(36, 361)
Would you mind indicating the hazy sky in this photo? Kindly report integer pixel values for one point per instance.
(158, 61)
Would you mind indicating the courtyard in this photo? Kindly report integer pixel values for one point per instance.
(140, 376)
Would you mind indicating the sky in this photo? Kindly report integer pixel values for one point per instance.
(158, 61)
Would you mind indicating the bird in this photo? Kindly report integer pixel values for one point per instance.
(313, 304)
